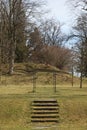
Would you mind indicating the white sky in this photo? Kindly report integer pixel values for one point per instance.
(60, 10)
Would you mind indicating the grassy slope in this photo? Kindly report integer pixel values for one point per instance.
(16, 96)
(22, 76)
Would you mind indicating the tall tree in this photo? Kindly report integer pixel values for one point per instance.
(35, 46)
(51, 32)
(80, 31)
(18, 17)
(11, 12)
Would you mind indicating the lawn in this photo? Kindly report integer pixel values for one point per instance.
(15, 106)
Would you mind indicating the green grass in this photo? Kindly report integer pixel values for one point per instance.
(15, 107)
(16, 96)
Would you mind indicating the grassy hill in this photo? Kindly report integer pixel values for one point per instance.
(23, 74)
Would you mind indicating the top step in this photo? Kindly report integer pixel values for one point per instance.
(45, 101)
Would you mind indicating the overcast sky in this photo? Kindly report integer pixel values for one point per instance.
(60, 10)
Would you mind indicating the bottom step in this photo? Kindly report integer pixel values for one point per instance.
(55, 121)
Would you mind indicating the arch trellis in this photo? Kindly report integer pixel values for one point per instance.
(35, 71)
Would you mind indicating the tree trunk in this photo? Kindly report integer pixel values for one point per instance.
(72, 75)
(11, 59)
(81, 76)
(81, 80)
(0, 60)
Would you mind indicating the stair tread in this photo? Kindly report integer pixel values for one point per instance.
(46, 120)
(45, 110)
(45, 101)
(44, 116)
(45, 104)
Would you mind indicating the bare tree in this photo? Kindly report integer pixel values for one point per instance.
(51, 32)
(9, 16)
(35, 46)
(80, 32)
(78, 4)
(58, 56)
(17, 16)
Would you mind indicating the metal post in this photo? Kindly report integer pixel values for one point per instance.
(72, 66)
(72, 76)
(54, 81)
(34, 82)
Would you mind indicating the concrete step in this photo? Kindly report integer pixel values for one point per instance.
(45, 120)
(45, 104)
(45, 110)
(45, 101)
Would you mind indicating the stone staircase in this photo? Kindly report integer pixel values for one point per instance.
(45, 111)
